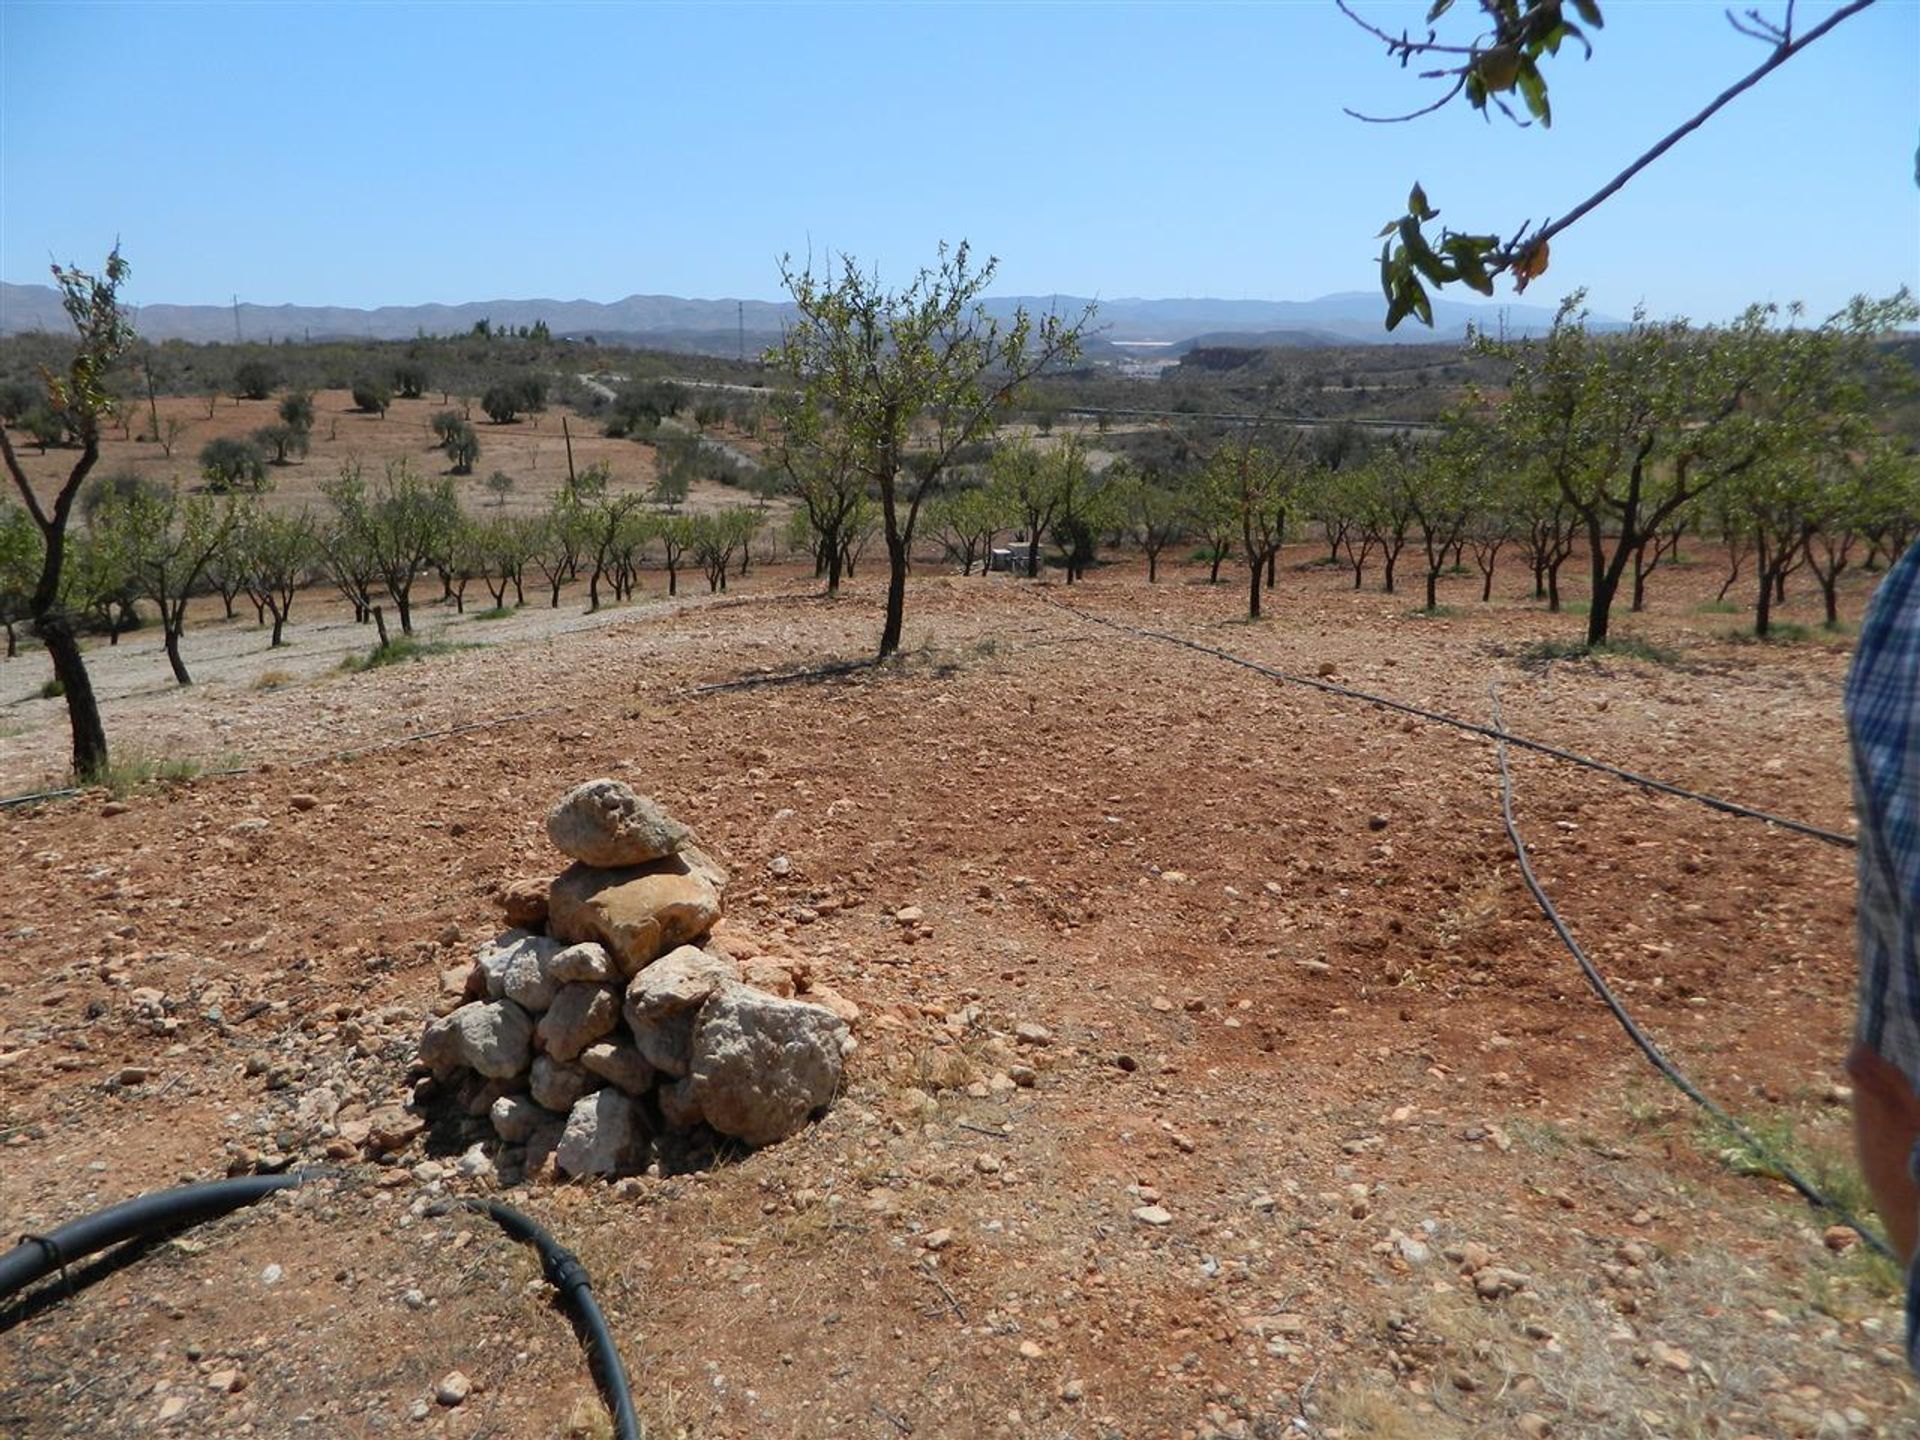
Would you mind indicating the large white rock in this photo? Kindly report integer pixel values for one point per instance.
(638, 913)
(619, 1064)
(761, 1065)
(516, 1117)
(579, 1015)
(662, 1000)
(493, 1037)
(557, 1085)
(604, 1136)
(518, 967)
(604, 823)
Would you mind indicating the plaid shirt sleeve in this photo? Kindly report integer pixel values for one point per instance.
(1883, 723)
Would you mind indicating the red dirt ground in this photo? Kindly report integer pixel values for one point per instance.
(1297, 997)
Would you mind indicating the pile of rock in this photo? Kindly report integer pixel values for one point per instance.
(611, 1020)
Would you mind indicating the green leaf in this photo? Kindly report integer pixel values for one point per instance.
(1386, 269)
(1440, 7)
(1422, 306)
(1417, 204)
(1590, 12)
(1533, 89)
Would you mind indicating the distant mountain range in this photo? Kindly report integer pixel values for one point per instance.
(716, 326)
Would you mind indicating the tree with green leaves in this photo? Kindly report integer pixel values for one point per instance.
(371, 396)
(1251, 487)
(277, 554)
(401, 524)
(563, 534)
(229, 464)
(1085, 510)
(1155, 516)
(966, 521)
(410, 379)
(283, 440)
(814, 460)
(462, 445)
(1493, 66)
(1025, 485)
(254, 380)
(1446, 492)
(913, 375)
(676, 535)
(166, 543)
(296, 411)
(19, 569)
(80, 394)
(1808, 423)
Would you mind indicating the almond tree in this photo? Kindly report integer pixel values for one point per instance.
(166, 544)
(913, 375)
(1253, 486)
(277, 555)
(1155, 516)
(82, 398)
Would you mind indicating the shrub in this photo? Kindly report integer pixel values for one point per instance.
(410, 379)
(371, 396)
(296, 411)
(502, 402)
(230, 464)
(254, 380)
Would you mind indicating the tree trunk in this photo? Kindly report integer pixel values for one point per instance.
(13, 641)
(83, 709)
(1830, 590)
(171, 630)
(1553, 586)
(1033, 561)
(279, 624)
(1273, 556)
(833, 569)
(897, 592)
(1390, 561)
(1213, 575)
(1253, 589)
(1153, 566)
(1433, 579)
(1763, 603)
(380, 625)
(404, 604)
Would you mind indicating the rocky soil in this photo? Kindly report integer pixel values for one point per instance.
(1216, 1075)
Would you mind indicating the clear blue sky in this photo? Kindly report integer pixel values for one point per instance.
(394, 154)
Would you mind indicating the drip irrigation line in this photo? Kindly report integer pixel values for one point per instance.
(567, 1275)
(786, 677)
(1633, 777)
(1775, 1163)
(147, 1217)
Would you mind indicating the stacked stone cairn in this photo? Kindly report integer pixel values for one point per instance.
(609, 1024)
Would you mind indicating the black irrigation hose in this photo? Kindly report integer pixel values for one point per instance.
(37, 1256)
(1712, 802)
(567, 1275)
(147, 1216)
(786, 677)
(1778, 1166)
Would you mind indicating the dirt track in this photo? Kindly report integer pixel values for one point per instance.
(1297, 996)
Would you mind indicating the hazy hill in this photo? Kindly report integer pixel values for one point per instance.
(714, 326)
